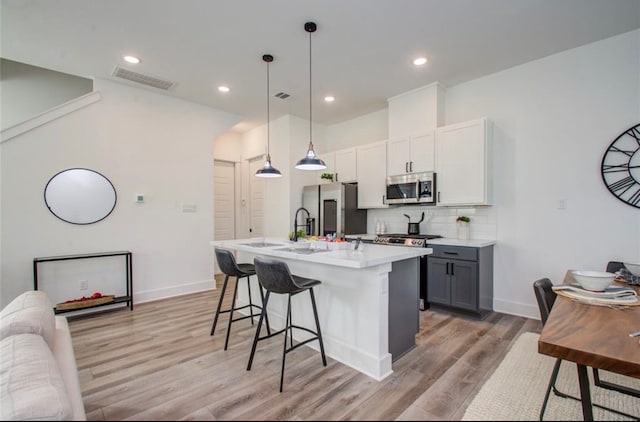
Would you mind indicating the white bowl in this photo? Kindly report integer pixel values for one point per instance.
(634, 268)
(594, 280)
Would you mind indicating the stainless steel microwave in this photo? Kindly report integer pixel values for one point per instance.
(414, 188)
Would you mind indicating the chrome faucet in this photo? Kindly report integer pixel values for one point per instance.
(296, 225)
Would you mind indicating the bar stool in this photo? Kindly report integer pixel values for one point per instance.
(230, 268)
(275, 277)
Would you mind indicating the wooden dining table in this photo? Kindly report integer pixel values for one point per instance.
(594, 336)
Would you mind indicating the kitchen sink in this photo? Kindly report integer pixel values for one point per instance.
(303, 251)
(262, 244)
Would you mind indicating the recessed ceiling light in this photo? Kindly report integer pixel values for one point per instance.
(223, 88)
(329, 99)
(420, 61)
(132, 59)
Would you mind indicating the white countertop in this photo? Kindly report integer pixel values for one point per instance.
(367, 255)
(473, 243)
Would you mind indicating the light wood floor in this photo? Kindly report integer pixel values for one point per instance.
(158, 362)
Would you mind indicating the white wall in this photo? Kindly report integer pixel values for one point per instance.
(228, 147)
(553, 120)
(29, 90)
(144, 143)
(289, 138)
(372, 127)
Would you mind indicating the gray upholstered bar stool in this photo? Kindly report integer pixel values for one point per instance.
(275, 277)
(230, 268)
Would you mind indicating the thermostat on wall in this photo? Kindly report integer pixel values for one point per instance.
(139, 198)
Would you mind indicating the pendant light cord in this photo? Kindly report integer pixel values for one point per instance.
(268, 119)
(310, 115)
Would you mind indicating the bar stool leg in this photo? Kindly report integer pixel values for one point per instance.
(290, 325)
(264, 306)
(255, 337)
(315, 314)
(288, 329)
(215, 319)
(233, 305)
(250, 300)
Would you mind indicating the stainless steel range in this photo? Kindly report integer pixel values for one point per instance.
(415, 241)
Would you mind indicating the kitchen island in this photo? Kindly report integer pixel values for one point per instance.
(367, 302)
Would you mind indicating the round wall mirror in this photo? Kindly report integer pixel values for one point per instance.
(80, 196)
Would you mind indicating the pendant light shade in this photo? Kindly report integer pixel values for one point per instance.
(268, 170)
(310, 161)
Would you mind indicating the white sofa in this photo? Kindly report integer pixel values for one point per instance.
(38, 373)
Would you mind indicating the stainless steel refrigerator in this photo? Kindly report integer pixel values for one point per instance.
(334, 207)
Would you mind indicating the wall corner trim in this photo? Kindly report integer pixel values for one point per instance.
(49, 115)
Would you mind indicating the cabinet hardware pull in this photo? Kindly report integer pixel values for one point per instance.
(452, 269)
(336, 177)
(411, 166)
(450, 253)
(447, 270)
(406, 167)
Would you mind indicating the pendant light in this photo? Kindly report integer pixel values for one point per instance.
(268, 170)
(310, 161)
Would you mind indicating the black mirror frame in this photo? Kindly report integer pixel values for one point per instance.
(115, 195)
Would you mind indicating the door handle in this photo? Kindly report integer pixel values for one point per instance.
(411, 166)
(447, 270)
(406, 167)
(452, 272)
(336, 177)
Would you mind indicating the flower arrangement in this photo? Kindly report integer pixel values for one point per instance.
(463, 218)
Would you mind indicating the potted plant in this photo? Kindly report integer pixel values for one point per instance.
(328, 176)
(463, 227)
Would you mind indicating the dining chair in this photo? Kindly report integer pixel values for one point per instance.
(613, 266)
(546, 297)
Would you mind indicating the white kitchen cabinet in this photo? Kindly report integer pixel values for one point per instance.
(411, 154)
(464, 163)
(345, 165)
(371, 171)
(342, 164)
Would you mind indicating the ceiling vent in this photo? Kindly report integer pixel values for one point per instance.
(119, 72)
(281, 95)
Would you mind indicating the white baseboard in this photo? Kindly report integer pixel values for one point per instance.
(178, 290)
(519, 309)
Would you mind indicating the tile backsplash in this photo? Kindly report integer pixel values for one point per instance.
(437, 220)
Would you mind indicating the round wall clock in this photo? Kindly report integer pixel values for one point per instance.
(621, 167)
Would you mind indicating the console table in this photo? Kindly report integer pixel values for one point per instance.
(127, 255)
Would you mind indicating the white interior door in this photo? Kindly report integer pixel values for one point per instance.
(224, 209)
(256, 199)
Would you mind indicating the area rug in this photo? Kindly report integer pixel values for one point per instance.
(516, 389)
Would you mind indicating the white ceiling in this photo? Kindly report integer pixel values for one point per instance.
(361, 52)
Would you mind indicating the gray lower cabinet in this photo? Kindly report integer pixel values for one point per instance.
(460, 278)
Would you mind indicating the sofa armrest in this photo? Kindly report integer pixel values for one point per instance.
(63, 353)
